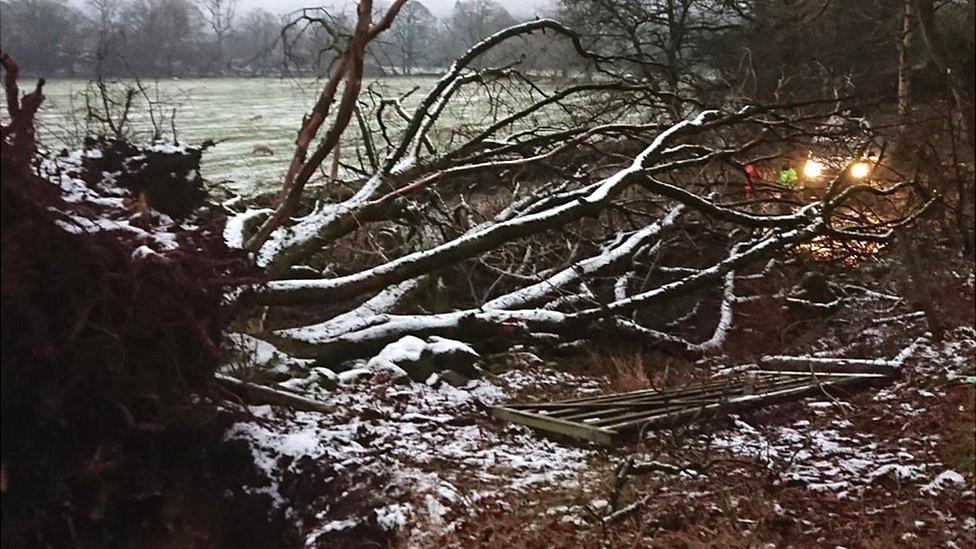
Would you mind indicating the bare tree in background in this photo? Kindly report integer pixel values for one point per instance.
(219, 17)
(663, 40)
(412, 35)
(107, 15)
(472, 20)
(45, 35)
(958, 72)
(256, 42)
(160, 37)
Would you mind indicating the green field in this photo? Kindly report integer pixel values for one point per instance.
(235, 112)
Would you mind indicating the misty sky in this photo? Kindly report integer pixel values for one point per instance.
(440, 8)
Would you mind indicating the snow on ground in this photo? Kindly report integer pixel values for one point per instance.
(812, 463)
(837, 459)
(432, 450)
(824, 451)
(105, 206)
(429, 465)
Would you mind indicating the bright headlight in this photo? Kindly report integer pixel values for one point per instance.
(812, 169)
(860, 170)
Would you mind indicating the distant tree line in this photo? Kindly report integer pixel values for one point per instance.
(168, 38)
(758, 48)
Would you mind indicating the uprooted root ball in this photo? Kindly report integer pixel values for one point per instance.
(108, 355)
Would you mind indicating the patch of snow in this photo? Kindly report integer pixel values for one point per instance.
(898, 471)
(164, 147)
(440, 345)
(410, 437)
(354, 375)
(234, 227)
(408, 348)
(317, 379)
(822, 459)
(943, 480)
(393, 516)
(143, 252)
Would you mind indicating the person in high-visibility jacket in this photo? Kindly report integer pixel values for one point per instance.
(788, 177)
(753, 176)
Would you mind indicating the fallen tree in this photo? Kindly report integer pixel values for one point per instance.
(564, 231)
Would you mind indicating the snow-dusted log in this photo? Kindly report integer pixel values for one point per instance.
(725, 317)
(463, 325)
(328, 222)
(369, 313)
(829, 365)
(841, 364)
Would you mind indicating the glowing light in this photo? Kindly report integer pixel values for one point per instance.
(860, 170)
(812, 169)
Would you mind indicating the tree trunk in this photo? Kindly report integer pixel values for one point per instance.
(962, 91)
(904, 68)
